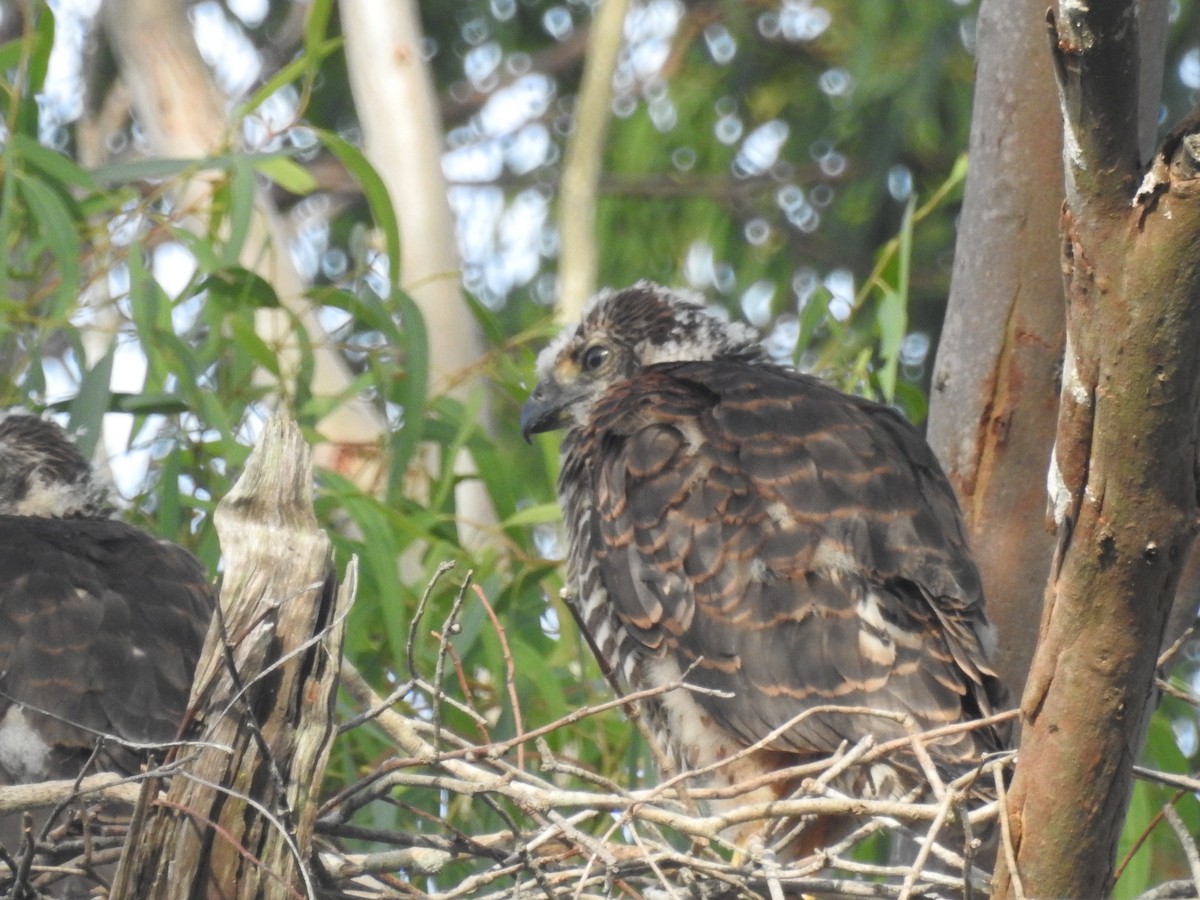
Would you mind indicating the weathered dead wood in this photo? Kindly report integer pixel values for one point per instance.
(238, 818)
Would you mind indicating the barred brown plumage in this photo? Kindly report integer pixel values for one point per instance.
(796, 546)
(101, 624)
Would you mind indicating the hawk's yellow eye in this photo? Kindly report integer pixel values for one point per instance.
(593, 357)
(802, 543)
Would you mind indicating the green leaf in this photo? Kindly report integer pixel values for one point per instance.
(151, 169)
(159, 169)
(538, 514)
(55, 226)
(912, 400)
(168, 508)
(814, 313)
(288, 174)
(1136, 876)
(51, 164)
(1160, 850)
(412, 393)
(9, 216)
(10, 55)
(242, 192)
(238, 289)
(375, 193)
(36, 58)
(92, 402)
(149, 305)
(247, 340)
(465, 419)
(146, 404)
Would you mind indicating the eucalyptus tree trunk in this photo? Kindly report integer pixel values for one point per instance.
(397, 110)
(579, 256)
(995, 394)
(1123, 479)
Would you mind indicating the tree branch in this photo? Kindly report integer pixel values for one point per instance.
(1123, 472)
(1096, 55)
(578, 259)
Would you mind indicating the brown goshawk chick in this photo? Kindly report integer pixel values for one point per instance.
(101, 624)
(794, 550)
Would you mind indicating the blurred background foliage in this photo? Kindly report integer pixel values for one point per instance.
(798, 162)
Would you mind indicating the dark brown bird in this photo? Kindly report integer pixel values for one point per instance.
(101, 624)
(782, 543)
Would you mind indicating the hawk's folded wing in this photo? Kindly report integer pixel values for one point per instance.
(101, 626)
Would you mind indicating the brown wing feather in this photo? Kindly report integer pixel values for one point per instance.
(101, 626)
(803, 545)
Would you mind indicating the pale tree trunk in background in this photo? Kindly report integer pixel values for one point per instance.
(98, 333)
(995, 391)
(397, 110)
(402, 133)
(579, 257)
(183, 115)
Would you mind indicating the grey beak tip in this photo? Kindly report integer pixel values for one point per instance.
(529, 415)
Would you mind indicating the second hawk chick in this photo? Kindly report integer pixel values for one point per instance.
(797, 547)
(101, 624)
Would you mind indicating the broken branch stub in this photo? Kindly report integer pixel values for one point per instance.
(237, 820)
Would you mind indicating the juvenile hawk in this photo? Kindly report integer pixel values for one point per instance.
(101, 624)
(796, 546)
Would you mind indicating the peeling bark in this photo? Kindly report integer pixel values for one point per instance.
(238, 818)
(1124, 466)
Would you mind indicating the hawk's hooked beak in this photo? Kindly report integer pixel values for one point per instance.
(544, 410)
